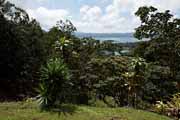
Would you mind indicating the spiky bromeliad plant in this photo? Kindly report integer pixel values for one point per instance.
(54, 78)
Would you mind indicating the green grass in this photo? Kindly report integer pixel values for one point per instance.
(29, 111)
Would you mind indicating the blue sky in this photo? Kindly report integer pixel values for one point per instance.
(101, 16)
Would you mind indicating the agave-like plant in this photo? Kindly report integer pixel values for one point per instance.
(54, 76)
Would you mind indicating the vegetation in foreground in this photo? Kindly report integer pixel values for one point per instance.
(29, 111)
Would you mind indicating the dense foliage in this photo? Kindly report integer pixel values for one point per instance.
(21, 51)
(162, 29)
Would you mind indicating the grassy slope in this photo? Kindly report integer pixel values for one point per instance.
(29, 111)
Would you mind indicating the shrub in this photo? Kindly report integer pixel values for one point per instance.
(171, 108)
(54, 78)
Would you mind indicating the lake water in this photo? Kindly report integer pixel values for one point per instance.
(116, 37)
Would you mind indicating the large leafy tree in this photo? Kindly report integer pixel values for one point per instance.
(21, 50)
(104, 77)
(163, 31)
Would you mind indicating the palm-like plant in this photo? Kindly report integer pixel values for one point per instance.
(54, 76)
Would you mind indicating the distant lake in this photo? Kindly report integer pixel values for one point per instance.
(117, 37)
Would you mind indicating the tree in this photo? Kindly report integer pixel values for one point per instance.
(66, 28)
(82, 51)
(21, 50)
(104, 77)
(60, 39)
(163, 30)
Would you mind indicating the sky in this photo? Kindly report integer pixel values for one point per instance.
(93, 16)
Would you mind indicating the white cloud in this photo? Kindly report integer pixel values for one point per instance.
(104, 1)
(41, 0)
(118, 16)
(94, 19)
(90, 13)
(48, 17)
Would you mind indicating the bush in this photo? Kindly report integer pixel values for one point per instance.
(171, 108)
(54, 78)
